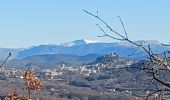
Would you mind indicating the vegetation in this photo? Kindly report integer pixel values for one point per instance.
(110, 77)
(32, 85)
(157, 68)
(31, 82)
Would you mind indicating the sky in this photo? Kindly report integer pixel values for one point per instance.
(25, 23)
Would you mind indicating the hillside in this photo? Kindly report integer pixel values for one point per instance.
(52, 60)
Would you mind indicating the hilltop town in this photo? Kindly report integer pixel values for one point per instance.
(108, 77)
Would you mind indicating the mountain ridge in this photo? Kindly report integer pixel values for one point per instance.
(51, 60)
(85, 47)
(77, 43)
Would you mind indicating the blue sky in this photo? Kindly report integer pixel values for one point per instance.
(24, 23)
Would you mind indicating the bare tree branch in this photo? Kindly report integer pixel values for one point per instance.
(105, 34)
(6, 59)
(123, 27)
(165, 44)
(105, 24)
(156, 64)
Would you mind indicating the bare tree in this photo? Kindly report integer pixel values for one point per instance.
(157, 67)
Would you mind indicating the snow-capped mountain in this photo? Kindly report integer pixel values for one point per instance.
(85, 47)
(78, 43)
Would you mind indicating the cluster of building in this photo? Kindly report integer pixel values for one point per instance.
(11, 73)
(108, 61)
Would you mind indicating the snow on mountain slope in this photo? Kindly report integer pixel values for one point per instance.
(85, 47)
(78, 43)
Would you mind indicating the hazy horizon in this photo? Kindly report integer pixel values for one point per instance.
(93, 41)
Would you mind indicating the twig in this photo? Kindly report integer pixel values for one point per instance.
(123, 26)
(105, 34)
(105, 24)
(156, 64)
(165, 44)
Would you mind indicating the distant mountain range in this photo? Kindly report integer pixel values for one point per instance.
(86, 47)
